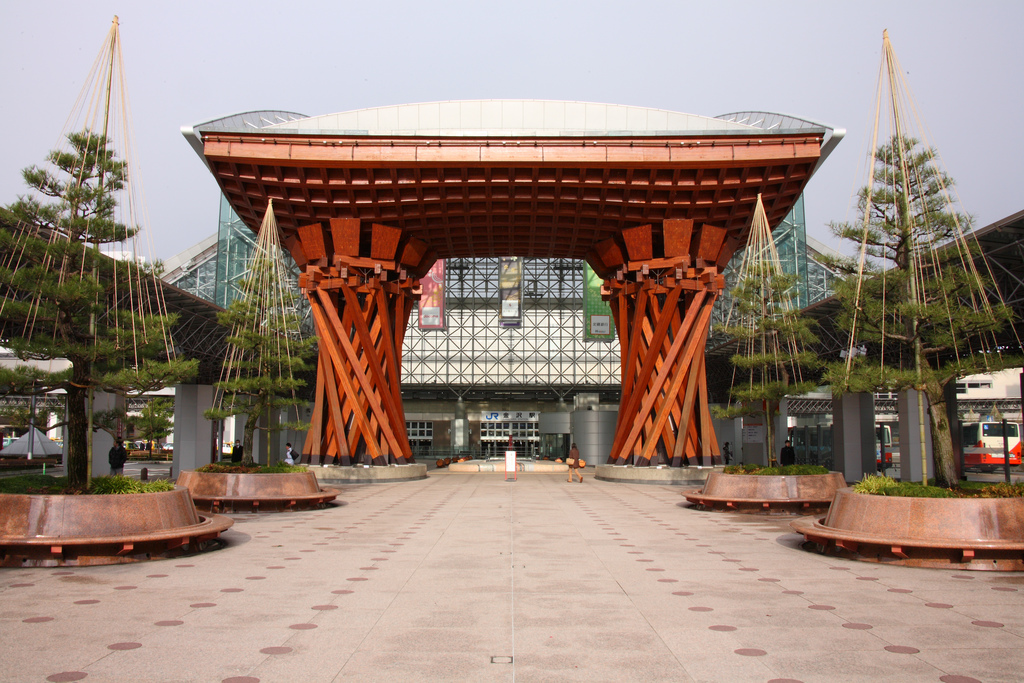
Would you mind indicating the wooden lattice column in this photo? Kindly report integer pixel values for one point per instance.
(361, 307)
(661, 304)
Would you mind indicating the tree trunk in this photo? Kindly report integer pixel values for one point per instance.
(251, 421)
(942, 440)
(77, 431)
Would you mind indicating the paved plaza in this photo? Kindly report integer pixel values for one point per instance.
(467, 577)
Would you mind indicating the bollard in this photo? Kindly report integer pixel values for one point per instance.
(144, 474)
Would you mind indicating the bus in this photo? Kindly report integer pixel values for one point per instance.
(983, 445)
(887, 453)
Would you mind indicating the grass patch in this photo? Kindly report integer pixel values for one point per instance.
(879, 485)
(44, 484)
(236, 468)
(788, 470)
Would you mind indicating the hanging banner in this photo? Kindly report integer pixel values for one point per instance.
(597, 314)
(432, 298)
(510, 291)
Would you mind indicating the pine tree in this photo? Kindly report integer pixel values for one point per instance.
(61, 298)
(267, 355)
(920, 306)
(772, 339)
(154, 421)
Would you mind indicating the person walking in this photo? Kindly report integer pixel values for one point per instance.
(236, 452)
(726, 453)
(117, 457)
(574, 463)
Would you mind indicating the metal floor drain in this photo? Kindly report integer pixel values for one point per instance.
(501, 659)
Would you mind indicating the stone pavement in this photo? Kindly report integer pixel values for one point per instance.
(466, 577)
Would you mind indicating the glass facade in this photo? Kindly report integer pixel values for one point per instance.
(547, 354)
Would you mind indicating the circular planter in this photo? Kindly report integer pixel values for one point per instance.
(767, 494)
(950, 533)
(230, 492)
(58, 530)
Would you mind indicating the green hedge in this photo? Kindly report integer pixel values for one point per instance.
(879, 485)
(45, 484)
(788, 470)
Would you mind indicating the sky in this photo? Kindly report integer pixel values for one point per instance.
(186, 64)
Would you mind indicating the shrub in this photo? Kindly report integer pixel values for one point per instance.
(788, 470)
(33, 483)
(886, 486)
(120, 484)
(236, 468)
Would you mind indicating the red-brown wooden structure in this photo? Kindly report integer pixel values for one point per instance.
(657, 216)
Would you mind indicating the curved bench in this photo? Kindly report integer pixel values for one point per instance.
(58, 530)
(236, 492)
(949, 533)
(767, 494)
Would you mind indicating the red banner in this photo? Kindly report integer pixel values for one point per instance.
(432, 298)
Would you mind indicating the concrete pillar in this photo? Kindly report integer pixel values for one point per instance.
(101, 440)
(910, 436)
(781, 427)
(460, 428)
(853, 436)
(193, 433)
(593, 431)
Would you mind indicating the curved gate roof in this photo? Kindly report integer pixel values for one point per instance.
(512, 177)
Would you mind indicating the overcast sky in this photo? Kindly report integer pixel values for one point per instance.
(187, 63)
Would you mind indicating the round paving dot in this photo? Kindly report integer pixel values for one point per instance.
(749, 569)
(156, 576)
(169, 622)
(276, 650)
(1004, 588)
(125, 588)
(867, 578)
(203, 604)
(63, 574)
(792, 592)
(900, 590)
(722, 627)
(67, 676)
(654, 569)
(750, 652)
(700, 609)
(821, 607)
(729, 559)
(644, 560)
(634, 552)
(307, 551)
(958, 679)
(380, 559)
(231, 590)
(343, 591)
(124, 646)
(369, 569)
(902, 649)
(856, 627)
(627, 545)
(184, 565)
(668, 580)
(357, 578)
(683, 593)
(21, 585)
(255, 578)
(302, 627)
(938, 605)
(324, 607)
(36, 620)
(785, 680)
(990, 624)
(962, 576)
(86, 602)
(840, 569)
(770, 580)
(241, 679)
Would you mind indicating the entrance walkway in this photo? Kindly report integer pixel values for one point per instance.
(470, 578)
